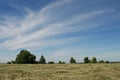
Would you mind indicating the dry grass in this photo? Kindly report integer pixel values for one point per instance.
(60, 72)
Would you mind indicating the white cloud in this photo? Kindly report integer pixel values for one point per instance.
(36, 27)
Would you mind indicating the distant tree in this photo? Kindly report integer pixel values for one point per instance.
(94, 60)
(25, 57)
(42, 60)
(72, 60)
(106, 61)
(86, 60)
(9, 63)
(61, 62)
(101, 61)
(36, 62)
(51, 62)
(12, 62)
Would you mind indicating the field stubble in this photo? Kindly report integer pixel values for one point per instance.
(60, 71)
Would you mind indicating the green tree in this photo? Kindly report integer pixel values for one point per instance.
(42, 60)
(94, 60)
(72, 60)
(101, 61)
(36, 62)
(86, 60)
(9, 63)
(51, 62)
(12, 62)
(61, 62)
(106, 61)
(25, 57)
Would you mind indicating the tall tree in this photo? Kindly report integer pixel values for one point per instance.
(72, 60)
(42, 60)
(25, 57)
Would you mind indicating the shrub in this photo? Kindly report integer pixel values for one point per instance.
(72, 60)
(61, 62)
(9, 63)
(101, 61)
(42, 60)
(94, 60)
(106, 61)
(51, 62)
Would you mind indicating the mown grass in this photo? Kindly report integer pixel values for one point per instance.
(60, 71)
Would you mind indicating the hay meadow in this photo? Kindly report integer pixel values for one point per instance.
(98, 71)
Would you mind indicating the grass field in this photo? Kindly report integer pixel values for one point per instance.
(60, 71)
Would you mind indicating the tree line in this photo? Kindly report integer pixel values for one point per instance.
(25, 57)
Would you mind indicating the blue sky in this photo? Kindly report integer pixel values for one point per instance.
(60, 29)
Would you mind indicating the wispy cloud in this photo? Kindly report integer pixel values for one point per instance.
(37, 27)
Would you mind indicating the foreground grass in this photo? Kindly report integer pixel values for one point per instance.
(60, 71)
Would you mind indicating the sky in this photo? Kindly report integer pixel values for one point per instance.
(60, 29)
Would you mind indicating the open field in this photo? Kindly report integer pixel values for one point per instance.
(60, 71)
